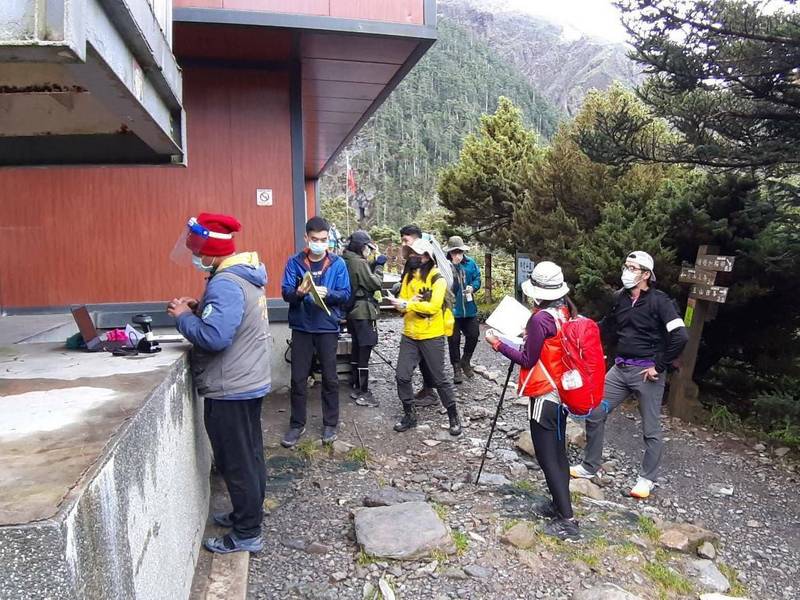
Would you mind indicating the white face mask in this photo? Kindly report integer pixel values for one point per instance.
(197, 262)
(629, 280)
(366, 252)
(318, 248)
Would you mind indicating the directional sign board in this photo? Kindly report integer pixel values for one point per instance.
(524, 267)
(694, 275)
(712, 293)
(713, 262)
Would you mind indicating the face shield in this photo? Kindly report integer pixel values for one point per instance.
(191, 241)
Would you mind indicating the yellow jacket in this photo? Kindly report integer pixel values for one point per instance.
(423, 319)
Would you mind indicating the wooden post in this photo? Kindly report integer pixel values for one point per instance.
(487, 294)
(683, 401)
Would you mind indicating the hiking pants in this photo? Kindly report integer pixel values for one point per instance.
(234, 430)
(431, 352)
(621, 382)
(549, 444)
(469, 326)
(427, 374)
(364, 338)
(304, 345)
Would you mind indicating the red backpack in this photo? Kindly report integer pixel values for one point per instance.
(581, 385)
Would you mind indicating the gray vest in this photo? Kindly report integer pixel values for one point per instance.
(244, 365)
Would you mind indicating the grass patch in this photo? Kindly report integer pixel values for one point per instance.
(365, 558)
(589, 558)
(600, 544)
(441, 510)
(575, 498)
(737, 587)
(525, 486)
(308, 449)
(359, 455)
(509, 524)
(648, 528)
(626, 549)
(439, 556)
(722, 419)
(667, 579)
(461, 540)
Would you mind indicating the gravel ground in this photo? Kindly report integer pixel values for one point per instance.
(738, 490)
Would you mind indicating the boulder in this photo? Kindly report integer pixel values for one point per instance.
(406, 531)
(389, 496)
(707, 575)
(493, 479)
(707, 550)
(605, 591)
(525, 443)
(715, 596)
(576, 434)
(520, 535)
(685, 537)
(585, 487)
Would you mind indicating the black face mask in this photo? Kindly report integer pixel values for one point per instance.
(414, 262)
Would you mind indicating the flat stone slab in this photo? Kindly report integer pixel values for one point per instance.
(390, 496)
(685, 537)
(406, 531)
(706, 573)
(605, 591)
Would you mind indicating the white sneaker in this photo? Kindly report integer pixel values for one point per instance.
(578, 472)
(642, 488)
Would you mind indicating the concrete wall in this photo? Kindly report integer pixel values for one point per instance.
(135, 529)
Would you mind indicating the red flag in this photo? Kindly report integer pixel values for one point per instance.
(351, 181)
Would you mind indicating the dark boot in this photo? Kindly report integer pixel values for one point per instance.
(467, 367)
(455, 422)
(426, 397)
(365, 397)
(409, 419)
(354, 377)
(457, 375)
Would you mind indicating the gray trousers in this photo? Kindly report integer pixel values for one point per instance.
(432, 354)
(622, 382)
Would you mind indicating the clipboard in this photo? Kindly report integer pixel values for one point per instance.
(308, 281)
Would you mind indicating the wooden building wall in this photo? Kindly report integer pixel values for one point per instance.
(92, 235)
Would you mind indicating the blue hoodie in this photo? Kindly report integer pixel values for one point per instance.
(304, 315)
(223, 305)
(466, 273)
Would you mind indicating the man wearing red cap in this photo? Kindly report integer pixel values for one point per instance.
(229, 331)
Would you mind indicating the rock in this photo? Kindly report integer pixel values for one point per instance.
(390, 496)
(386, 590)
(586, 488)
(445, 498)
(753, 524)
(685, 537)
(520, 535)
(576, 434)
(716, 596)
(368, 591)
(338, 576)
(477, 571)
(525, 443)
(719, 489)
(341, 448)
(706, 573)
(781, 452)
(404, 531)
(707, 550)
(480, 369)
(518, 470)
(431, 443)
(455, 573)
(506, 455)
(759, 447)
(317, 548)
(605, 591)
(493, 479)
(294, 544)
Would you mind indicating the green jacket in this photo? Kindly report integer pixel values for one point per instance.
(364, 282)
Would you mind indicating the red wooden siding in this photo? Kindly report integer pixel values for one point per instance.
(389, 11)
(87, 235)
(311, 198)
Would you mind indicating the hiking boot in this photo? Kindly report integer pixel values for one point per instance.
(546, 510)
(426, 397)
(367, 399)
(232, 543)
(329, 434)
(579, 472)
(563, 529)
(467, 368)
(408, 421)
(642, 488)
(458, 377)
(455, 423)
(222, 519)
(292, 437)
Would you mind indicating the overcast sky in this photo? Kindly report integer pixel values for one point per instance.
(591, 17)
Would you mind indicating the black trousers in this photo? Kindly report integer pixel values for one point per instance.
(304, 345)
(428, 380)
(471, 330)
(431, 352)
(549, 443)
(365, 337)
(234, 429)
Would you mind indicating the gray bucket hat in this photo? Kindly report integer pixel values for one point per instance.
(456, 243)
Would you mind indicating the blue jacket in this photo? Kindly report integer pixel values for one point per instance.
(304, 315)
(214, 329)
(466, 273)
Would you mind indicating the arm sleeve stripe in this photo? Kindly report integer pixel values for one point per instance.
(674, 324)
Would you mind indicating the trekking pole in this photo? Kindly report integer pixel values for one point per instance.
(384, 359)
(494, 421)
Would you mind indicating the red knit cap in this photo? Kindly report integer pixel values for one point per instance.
(220, 224)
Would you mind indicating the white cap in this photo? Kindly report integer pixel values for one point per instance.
(644, 260)
(419, 246)
(546, 282)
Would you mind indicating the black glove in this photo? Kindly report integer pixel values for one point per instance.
(380, 260)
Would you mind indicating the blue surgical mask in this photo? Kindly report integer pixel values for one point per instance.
(197, 262)
(318, 248)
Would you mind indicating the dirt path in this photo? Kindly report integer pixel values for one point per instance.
(312, 494)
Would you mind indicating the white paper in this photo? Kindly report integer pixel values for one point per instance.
(509, 318)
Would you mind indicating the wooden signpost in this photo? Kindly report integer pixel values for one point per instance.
(704, 297)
